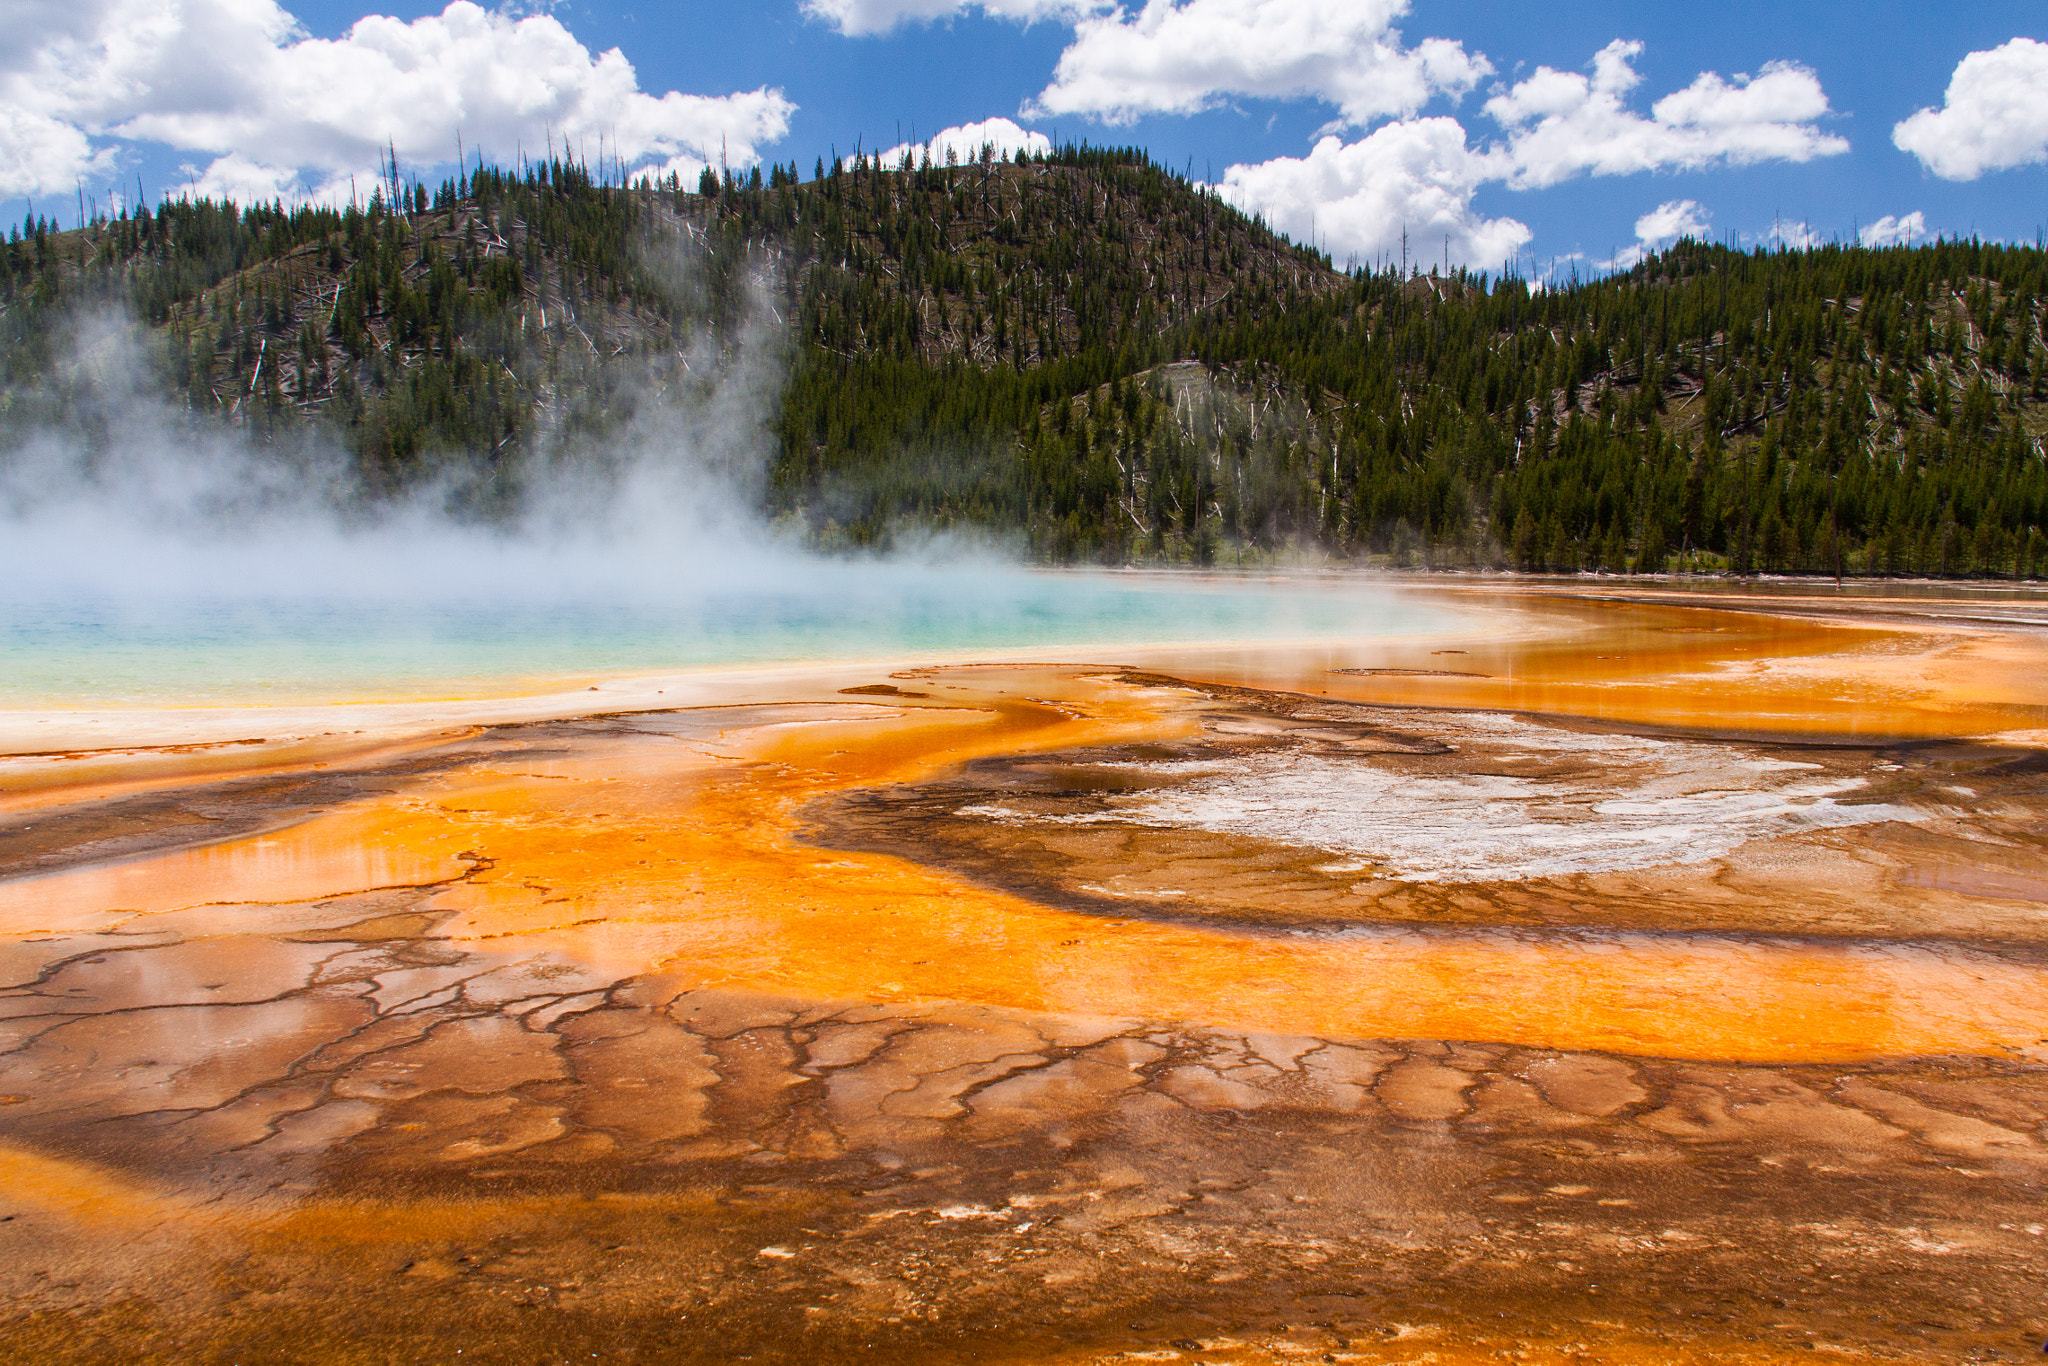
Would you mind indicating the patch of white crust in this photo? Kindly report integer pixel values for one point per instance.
(1639, 803)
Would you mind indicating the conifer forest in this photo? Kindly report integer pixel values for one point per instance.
(1086, 355)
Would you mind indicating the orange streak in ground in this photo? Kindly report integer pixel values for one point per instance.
(1693, 668)
(645, 854)
(639, 854)
(716, 888)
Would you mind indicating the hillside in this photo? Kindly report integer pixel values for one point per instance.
(1089, 353)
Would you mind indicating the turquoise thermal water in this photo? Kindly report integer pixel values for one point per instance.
(85, 648)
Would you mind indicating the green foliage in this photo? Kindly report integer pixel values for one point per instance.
(432, 341)
(1087, 349)
(1006, 345)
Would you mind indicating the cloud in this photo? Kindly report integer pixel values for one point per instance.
(1994, 117)
(1659, 228)
(39, 154)
(286, 114)
(1890, 231)
(1184, 56)
(1670, 221)
(1423, 174)
(861, 18)
(966, 141)
(1561, 124)
(247, 181)
(1357, 199)
(1793, 235)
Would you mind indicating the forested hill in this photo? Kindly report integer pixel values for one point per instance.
(1088, 352)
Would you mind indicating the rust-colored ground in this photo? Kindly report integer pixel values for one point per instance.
(1007, 1012)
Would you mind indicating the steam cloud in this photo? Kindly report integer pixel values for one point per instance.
(146, 554)
(149, 556)
(132, 497)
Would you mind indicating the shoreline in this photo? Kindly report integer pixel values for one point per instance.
(747, 1000)
(1701, 669)
(105, 747)
(1510, 612)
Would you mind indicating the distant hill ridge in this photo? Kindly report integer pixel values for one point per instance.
(1086, 351)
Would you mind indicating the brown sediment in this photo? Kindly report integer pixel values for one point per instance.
(1692, 668)
(100, 823)
(732, 1032)
(1070, 829)
(73, 755)
(1409, 673)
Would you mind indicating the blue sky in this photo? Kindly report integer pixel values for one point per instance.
(1818, 150)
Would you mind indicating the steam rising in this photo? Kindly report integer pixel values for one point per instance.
(149, 556)
(129, 498)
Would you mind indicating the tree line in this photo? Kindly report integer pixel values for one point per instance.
(1088, 352)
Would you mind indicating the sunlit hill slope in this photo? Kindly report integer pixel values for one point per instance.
(1083, 352)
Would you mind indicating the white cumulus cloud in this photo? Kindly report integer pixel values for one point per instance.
(1994, 117)
(1357, 199)
(1422, 174)
(860, 18)
(1894, 230)
(1793, 235)
(1660, 227)
(1670, 221)
(39, 153)
(1561, 124)
(966, 141)
(283, 113)
(1183, 56)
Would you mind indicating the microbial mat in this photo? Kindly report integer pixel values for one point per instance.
(1205, 971)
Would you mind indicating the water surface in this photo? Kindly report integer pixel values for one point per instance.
(91, 646)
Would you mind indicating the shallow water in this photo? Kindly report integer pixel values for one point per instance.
(72, 647)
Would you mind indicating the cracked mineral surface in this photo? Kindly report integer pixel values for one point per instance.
(1544, 997)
